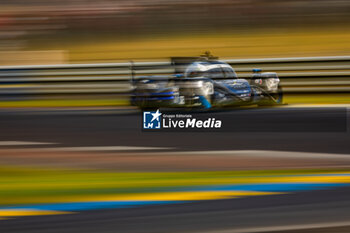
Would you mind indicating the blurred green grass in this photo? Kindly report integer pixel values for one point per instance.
(21, 185)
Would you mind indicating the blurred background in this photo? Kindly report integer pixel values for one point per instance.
(73, 157)
(68, 32)
(42, 32)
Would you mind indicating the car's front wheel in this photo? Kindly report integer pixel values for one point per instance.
(278, 96)
(275, 98)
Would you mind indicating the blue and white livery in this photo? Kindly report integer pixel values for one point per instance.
(207, 83)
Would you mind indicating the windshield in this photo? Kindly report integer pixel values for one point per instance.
(229, 72)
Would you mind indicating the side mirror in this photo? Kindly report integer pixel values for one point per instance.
(257, 70)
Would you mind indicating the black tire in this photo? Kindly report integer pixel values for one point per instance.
(274, 98)
(278, 97)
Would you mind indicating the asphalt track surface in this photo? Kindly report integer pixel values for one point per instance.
(326, 209)
(322, 130)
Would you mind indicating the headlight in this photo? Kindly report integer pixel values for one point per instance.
(272, 84)
(208, 88)
(148, 85)
(191, 84)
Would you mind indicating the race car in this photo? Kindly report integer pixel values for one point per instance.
(206, 83)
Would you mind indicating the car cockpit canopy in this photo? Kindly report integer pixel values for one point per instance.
(210, 69)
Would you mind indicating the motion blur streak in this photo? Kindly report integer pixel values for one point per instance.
(81, 30)
(76, 77)
(26, 212)
(245, 186)
(109, 84)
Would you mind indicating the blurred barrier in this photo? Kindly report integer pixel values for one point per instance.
(298, 75)
(33, 57)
